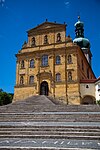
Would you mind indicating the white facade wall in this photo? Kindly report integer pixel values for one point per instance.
(97, 90)
(87, 89)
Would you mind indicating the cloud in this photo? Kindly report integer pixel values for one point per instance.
(67, 3)
(2, 2)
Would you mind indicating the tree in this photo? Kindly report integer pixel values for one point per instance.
(5, 98)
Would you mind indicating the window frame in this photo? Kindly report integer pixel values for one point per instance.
(31, 79)
(58, 60)
(32, 63)
(44, 61)
(58, 77)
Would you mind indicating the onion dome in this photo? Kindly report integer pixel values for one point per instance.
(79, 31)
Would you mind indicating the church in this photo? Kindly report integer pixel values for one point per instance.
(52, 64)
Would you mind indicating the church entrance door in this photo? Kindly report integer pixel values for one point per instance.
(44, 88)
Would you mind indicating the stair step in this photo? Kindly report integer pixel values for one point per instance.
(13, 133)
(51, 129)
(53, 136)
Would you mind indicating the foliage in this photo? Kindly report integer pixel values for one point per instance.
(98, 102)
(5, 98)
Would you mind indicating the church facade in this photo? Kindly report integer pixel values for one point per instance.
(51, 64)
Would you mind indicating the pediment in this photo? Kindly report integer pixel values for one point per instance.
(45, 74)
(46, 25)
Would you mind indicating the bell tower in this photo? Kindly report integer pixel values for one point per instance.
(81, 41)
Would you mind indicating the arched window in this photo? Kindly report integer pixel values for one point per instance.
(45, 39)
(69, 76)
(31, 80)
(58, 37)
(21, 80)
(32, 63)
(45, 60)
(58, 77)
(69, 59)
(33, 41)
(58, 60)
(22, 64)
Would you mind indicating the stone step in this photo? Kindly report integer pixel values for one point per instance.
(51, 117)
(62, 133)
(42, 148)
(53, 136)
(67, 129)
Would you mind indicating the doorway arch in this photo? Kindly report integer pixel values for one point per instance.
(88, 100)
(44, 89)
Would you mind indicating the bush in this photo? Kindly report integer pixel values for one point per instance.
(5, 98)
(98, 102)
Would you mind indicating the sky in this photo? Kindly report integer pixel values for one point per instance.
(18, 16)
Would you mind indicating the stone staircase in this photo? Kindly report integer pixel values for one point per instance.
(37, 123)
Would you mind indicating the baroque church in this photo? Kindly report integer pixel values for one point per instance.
(52, 64)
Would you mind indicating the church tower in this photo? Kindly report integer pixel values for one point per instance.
(81, 40)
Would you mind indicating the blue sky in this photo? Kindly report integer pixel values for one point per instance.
(18, 16)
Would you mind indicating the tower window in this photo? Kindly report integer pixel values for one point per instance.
(58, 77)
(58, 37)
(45, 39)
(58, 60)
(32, 63)
(69, 76)
(31, 80)
(33, 41)
(45, 60)
(69, 59)
(88, 73)
(21, 80)
(82, 65)
(22, 64)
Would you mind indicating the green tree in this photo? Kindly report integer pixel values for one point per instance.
(5, 98)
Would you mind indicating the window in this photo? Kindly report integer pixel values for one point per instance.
(82, 65)
(69, 76)
(58, 37)
(58, 77)
(88, 73)
(32, 63)
(58, 60)
(69, 59)
(21, 80)
(45, 60)
(31, 80)
(33, 41)
(45, 39)
(98, 87)
(22, 64)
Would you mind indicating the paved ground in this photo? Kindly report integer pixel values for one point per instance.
(49, 143)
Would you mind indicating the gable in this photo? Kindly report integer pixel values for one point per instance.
(46, 25)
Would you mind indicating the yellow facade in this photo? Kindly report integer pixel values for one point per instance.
(49, 63)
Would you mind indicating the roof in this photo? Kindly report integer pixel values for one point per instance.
(46, 25)
(88, 80)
